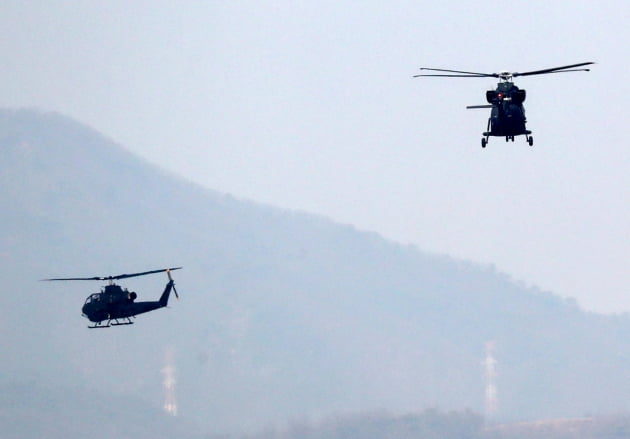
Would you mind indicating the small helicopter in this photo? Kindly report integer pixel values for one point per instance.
(114, 302)
(507, 117)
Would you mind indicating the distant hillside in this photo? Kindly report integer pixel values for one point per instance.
(30, 411)
(283, 314)
(429, 424)
(432, 424)
(607, 427)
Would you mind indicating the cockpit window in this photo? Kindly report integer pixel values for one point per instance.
(93, 298)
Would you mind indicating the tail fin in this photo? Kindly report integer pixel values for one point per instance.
(167, 292)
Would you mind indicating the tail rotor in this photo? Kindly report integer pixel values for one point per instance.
(168, 272)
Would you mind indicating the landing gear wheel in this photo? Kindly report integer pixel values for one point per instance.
(530, 140)
(483, 142)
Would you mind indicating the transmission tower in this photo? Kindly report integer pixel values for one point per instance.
(170, 403)
(490, 364)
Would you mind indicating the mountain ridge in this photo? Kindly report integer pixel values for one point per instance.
(283, 313)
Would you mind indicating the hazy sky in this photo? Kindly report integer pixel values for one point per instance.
(311, 106)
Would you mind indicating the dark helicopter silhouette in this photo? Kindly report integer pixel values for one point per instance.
(507, 117)
(114, 302)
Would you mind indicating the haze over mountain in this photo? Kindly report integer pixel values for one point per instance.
(283, 315)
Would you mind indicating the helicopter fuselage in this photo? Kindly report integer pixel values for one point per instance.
(507, 114)
(507, 117)
(114, 302)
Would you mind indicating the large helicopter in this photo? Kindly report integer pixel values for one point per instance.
(507, 117)
(114, 302)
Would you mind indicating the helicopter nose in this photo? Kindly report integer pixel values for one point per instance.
(85, 311)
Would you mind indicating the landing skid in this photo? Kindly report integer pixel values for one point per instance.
(111, 322)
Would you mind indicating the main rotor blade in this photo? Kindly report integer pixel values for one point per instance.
(454, 76)
(563, 71)
(144, 273)
(474, 74)
(77, 278)
(556, 70)
(120, 276)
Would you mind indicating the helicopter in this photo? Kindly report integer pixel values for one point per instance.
(507, 117)
(114, 302)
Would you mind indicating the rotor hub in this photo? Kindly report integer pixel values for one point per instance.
(506, 76)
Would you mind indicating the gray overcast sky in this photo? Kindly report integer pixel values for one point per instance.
(311, 106)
